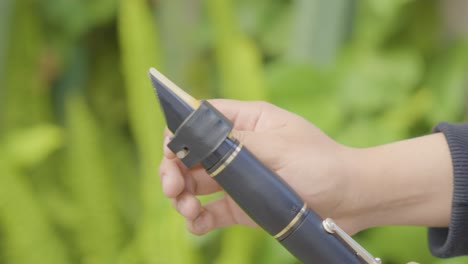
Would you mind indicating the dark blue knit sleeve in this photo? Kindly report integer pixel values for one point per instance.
(453, 241)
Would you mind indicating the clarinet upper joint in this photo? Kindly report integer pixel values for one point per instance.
(331, 227)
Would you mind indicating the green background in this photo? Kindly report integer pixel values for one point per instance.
(81, 131)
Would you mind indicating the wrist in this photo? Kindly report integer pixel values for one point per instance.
(352, 209)
(403, 183)
(357, 207)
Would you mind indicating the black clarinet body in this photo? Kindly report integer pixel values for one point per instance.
(274, 206)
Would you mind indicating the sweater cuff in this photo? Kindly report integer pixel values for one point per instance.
(453, 241)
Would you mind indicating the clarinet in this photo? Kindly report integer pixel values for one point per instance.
(202, 135)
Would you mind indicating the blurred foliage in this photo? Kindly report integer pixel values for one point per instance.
(81, 132)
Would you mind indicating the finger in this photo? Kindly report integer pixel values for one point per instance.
(196, 181)
(252, 116)
(199, 182)
(188, 206)
(172, 180)
(213, 215)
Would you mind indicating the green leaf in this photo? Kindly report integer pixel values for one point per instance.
(369, 81)
(308, 93)
(240, 245)
(319, 26)
(138, 38)
(97, 229)
(447, 82)
(26, 100)
(27, 234)
(5, 17)
(409, 242)
(31, 146)
(72, 18)
(238, 58)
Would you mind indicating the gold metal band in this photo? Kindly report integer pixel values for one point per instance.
(227, 162)
(292, 223)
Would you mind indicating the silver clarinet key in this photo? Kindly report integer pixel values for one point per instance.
(331, 227)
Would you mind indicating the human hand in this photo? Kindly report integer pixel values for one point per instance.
(408, 182)
(307, 159)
